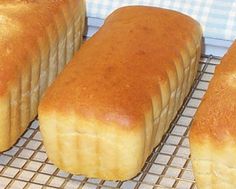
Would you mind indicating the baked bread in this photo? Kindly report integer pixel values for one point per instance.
(213, 130)
(37, 38)
(114, 101)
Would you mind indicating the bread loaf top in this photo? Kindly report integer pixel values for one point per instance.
(120, 70)
(215, 118)
(24, 28)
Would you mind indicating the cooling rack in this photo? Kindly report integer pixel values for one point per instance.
(26, 164)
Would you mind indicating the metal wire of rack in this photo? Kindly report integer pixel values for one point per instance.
(26, 164)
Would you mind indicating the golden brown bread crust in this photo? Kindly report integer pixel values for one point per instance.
(213, 133)
(35, 40)
(20, 32)
(121, 64)
(120, 92)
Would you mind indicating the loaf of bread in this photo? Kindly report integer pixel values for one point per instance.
(37, 38)
(114, 101)
(213, 130)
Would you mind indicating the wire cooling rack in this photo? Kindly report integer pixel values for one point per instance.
(26, 164)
